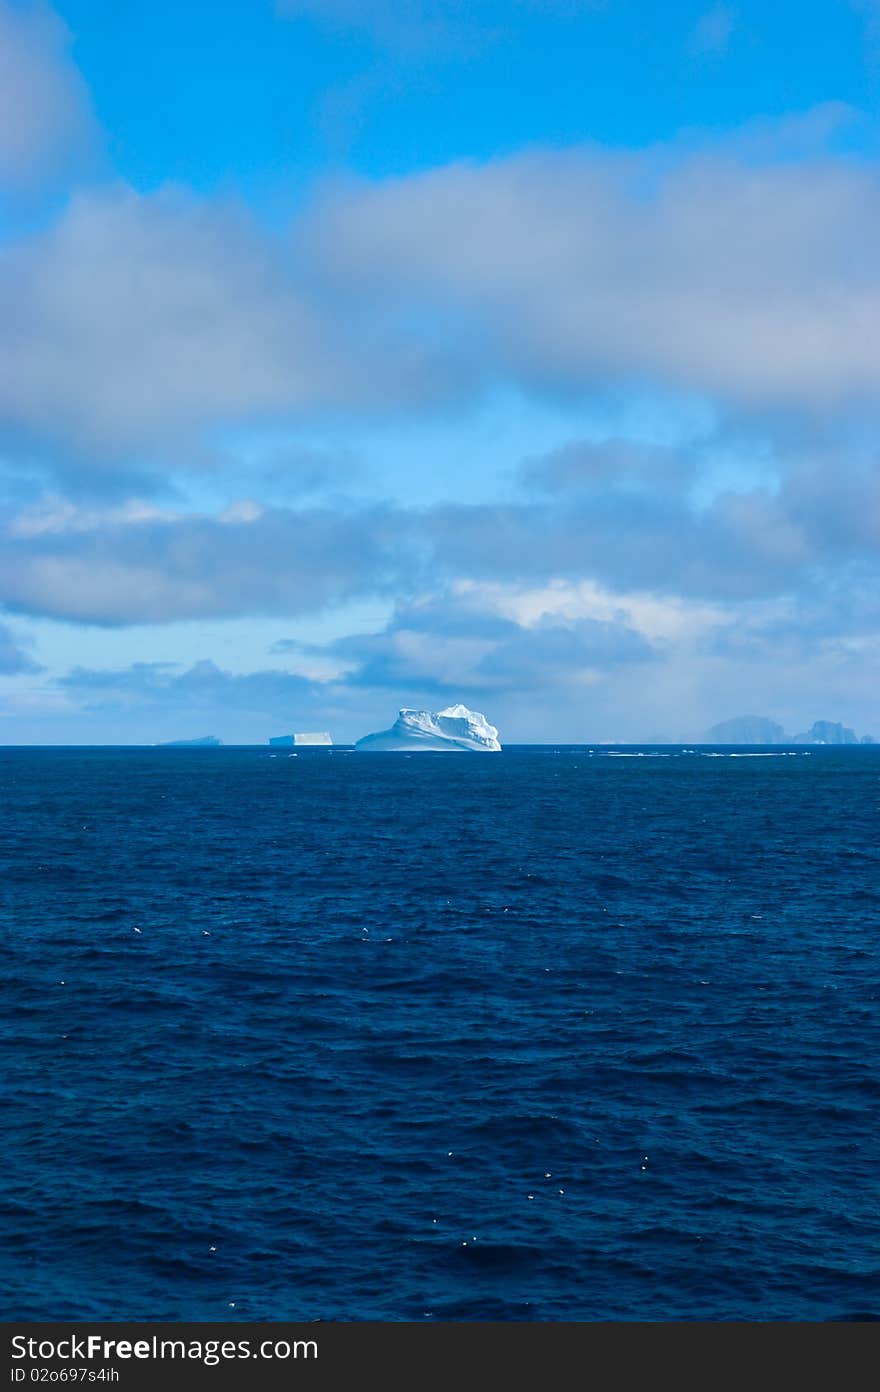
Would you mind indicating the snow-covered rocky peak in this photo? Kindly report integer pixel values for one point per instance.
(453, 728)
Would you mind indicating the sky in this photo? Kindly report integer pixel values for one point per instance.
(359, 354)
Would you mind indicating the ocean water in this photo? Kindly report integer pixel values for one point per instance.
(558, 1034)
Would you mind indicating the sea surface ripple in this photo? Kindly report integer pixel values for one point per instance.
(555, 1034)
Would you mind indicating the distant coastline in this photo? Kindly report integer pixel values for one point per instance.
(759, 729)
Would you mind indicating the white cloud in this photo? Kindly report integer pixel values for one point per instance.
(57, 516)
(136, 564)
(657, 617)
(138, 325)
(45, 111)
(138, 321)
(757, 283)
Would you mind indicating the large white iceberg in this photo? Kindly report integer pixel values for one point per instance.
(453, 728)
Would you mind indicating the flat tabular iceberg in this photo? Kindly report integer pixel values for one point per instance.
(453, 728)
(307, 737)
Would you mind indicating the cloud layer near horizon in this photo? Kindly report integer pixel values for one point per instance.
(626, 516)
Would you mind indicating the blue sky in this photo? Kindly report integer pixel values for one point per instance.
(355, 355)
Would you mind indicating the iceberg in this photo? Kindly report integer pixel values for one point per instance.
(453, 728)
(205, 742)
(306, 737)
(746, 729)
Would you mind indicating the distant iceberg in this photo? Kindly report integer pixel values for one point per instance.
(453, 728)
(306, 737)
(746, 729)
(205, 742)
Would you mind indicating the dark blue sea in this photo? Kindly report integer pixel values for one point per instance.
(555, 1034)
